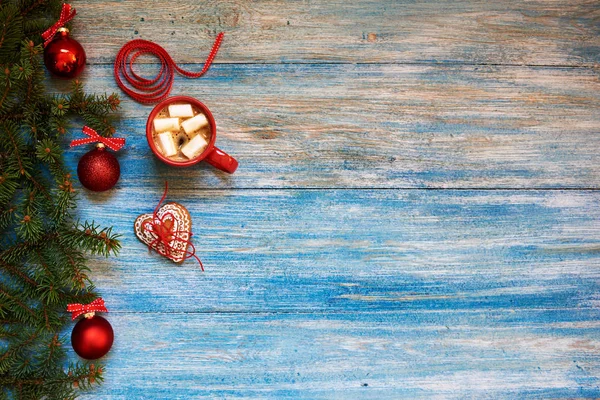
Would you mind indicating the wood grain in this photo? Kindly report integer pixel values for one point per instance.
(414, 216)
(383, 126)
(541, 32)
(358, 250)
(412, 354)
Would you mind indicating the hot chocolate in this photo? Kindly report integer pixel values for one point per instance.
(181, 132)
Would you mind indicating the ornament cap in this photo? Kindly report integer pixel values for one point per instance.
(89, 315)
(63, 30)
(100, 146)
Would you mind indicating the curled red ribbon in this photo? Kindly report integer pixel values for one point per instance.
(166, 236)
(156, 89)
(112, 143)
(77, 309)
(66, 14)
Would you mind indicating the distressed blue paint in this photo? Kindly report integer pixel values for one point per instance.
(324, 249)
(323, 278)
(389, 31)
(432, 126)
(417, 307)
(409, 354)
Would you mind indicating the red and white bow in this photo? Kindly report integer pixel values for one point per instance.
(163, 230)
(112, 143)
(77, 308)
(66, 14)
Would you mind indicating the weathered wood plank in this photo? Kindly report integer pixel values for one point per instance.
(540, 32)
(383, 126)
(315, 288)
(410, 354)
(358, 250)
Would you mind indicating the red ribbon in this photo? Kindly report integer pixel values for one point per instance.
(77, 309)
(156, 89)
(66, 14)
(112, 143)
(165, 235)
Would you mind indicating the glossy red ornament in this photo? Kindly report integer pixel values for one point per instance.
(98, 170)
(92, 337)
(64, 56)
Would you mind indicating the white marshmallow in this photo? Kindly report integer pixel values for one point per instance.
(193, 124)
(181, 110)
(194, 147)
(166, 124)
(167, 144)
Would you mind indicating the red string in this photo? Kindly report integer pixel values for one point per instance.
(166, 236)
(113, 143)
(156, 89)
(77, 308)
(66, 14)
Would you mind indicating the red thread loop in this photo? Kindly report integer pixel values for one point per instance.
(66, 14)
(113, 143)
(156, 89)
(77, 308)
(165, 235)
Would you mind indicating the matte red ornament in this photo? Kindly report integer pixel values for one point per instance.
(92, 337)
(98, 170)
(64, 56)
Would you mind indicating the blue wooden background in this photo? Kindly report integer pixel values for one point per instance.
(415, 213)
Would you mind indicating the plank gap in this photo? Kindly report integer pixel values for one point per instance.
(410, 63)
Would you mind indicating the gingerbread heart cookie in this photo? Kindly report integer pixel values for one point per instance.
(168, 231)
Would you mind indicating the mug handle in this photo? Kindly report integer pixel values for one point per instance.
(221, 160)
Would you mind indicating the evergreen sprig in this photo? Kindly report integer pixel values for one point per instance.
(42, 248)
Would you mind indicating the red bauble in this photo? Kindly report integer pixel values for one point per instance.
(98, 169)
(92, 337)
(64, 56)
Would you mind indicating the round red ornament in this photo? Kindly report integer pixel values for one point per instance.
(98, 170)
(64, 56)
(92, 337)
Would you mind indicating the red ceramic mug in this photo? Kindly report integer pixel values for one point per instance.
(211, 154)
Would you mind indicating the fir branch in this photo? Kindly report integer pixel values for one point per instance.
(78, 278)
(79, 376)
(8, 187)
(10, 31)
(18, 147)
(65, 201)
(89, 236)
(6, 86)
(14, 298)
(39, 187)
(29, 49)
(30, 227)
(48, 151)
(15, 271)
(39, 259)
(6, 217)
(19, 250)
(32, 6)
(14, 350)
(42, 263)
(52, 354)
